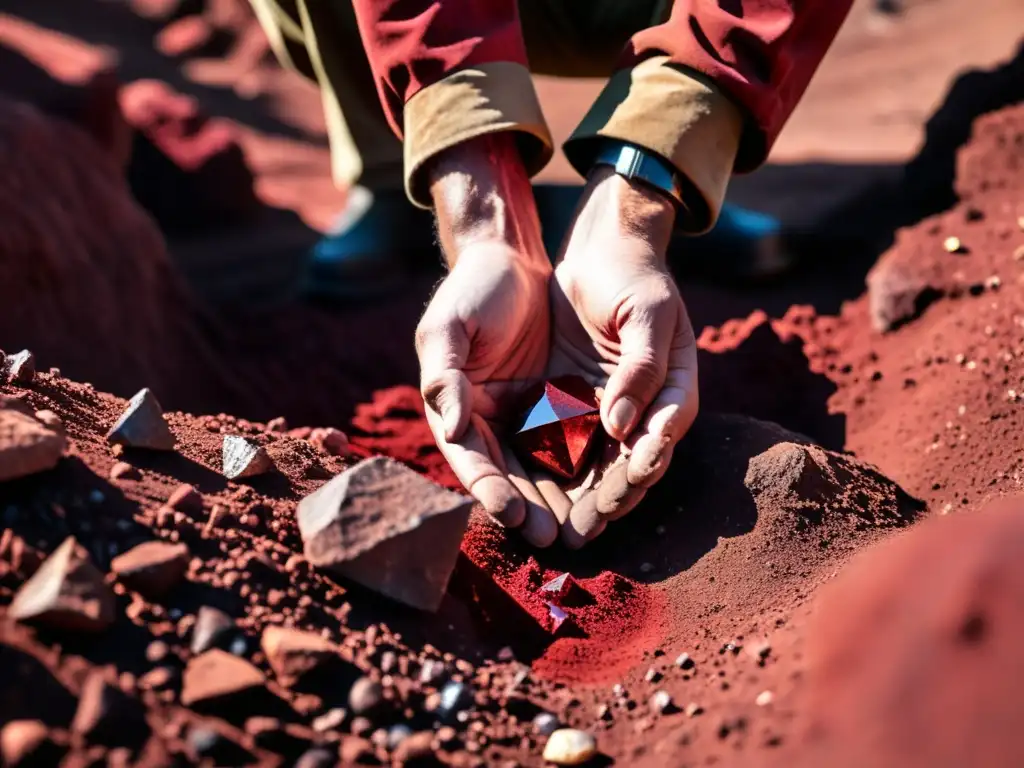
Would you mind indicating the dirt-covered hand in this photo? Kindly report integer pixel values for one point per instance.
(620, 323)
(487, 326)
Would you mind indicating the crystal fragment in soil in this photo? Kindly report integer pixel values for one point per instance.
(559, 425)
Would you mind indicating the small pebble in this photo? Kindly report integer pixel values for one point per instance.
(764, 698)
(693, 709)
(397, 734)
(331, 720)
(952, 245)
(455, 698)
(660, 702)
(545, 724)
(122, 470)
(652, 675)
(568, 746)
(317, 757)
(156, 651)
(365, 696)
(683, 661)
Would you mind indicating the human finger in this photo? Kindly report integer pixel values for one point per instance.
(616, 496)
(540, 527)
(442, 347)
(669, 417)
(472, 459)
(645, 340)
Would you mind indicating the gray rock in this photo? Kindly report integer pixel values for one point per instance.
(211, 628)
(243, 458)
(142, 425)
(388, 528)
(20, 368)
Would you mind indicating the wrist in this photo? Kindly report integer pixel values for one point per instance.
(482, 194)
(627, 212)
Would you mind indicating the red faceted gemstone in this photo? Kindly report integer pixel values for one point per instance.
(559, 423)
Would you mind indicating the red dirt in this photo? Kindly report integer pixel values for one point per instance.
(723, 562)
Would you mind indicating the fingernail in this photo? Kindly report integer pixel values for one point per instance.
(622, 415)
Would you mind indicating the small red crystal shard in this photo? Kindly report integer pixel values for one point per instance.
(559, 425)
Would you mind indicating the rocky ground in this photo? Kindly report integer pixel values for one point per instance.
(162, 605)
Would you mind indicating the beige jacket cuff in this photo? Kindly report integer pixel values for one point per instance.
(678, 115)
(488, 98)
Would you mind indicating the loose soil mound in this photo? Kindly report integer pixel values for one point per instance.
(913, 658)
(675, 577)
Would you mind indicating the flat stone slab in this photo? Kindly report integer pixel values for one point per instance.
(388, 528)
(26, 445)
(142, 425)
(67, 592)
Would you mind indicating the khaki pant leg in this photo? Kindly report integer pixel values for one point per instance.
(321, 40)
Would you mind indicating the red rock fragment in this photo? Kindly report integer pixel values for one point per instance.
(243, 458)
(185, 499)
(26, 446)
(416, 749)
(124, 471)
(107, 715)
(67, 592)
(218, 675)
(387, 528)
(182, 36)
(152, 568)
(559, 426)
(26, 743)
(293, 653)
(142, 425)
(330, 440)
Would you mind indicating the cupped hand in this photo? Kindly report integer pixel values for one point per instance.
(620, 323)
(487, 326)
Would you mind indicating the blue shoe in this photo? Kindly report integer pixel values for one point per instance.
(376, 243)
(744, 244)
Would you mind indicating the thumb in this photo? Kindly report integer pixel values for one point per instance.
(644, 343)
(443, 349)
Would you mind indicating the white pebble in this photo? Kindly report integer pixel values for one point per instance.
(567, 746)
(764, 698)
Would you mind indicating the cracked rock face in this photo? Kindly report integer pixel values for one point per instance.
(142, 425)
(388, 528)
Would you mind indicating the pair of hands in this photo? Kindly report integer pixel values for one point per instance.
(609, 311)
